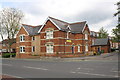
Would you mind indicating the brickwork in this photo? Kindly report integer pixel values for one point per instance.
(62, 42)
(59, 40)
(26, 43)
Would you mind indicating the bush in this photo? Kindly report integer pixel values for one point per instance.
(7, 55)
(35, 55)
(102, 51)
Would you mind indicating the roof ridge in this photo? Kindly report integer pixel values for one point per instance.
(31, 25)
(58, 20)
(78, 22)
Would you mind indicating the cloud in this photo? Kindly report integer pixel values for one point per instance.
(95, 12)
(108, 25)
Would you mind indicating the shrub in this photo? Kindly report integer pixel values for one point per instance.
(102, 51)
(35, 55)
(7, 55)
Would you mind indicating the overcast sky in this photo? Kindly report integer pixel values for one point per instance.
(97, 13)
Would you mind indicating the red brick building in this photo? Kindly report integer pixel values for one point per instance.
(101, 45)
(4, 46)
(54, 38)
(28, 41)
(59, 37)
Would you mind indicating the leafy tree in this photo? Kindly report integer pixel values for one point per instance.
(10, 19)
(116, 31)
(103, 33)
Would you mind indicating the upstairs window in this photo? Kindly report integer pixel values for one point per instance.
(86, 48)
(93, 41)
(4, 45)
(33, 38)
(22, 49)
(86, 36)
(97, 34)
(49, 34)
(22, 38)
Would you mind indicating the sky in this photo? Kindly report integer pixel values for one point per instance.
(97, 13)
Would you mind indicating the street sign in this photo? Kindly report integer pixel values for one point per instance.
(68, 41)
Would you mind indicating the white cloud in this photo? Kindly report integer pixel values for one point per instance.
(107, 24)
(36, 11)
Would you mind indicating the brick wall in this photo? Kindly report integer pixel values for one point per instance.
(59, 40)
(26, 43)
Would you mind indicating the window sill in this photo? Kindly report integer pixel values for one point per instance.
(22, 52)
(22, 41)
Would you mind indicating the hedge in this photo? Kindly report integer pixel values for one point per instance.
(7, 55)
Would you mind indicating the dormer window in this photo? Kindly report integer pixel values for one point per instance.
(49, 34)
(22, 38)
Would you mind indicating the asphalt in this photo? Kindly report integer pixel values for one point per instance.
(103, 66)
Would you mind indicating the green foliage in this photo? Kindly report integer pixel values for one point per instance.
(35, 55)
(116, 33)
(7, 55)
(103, 33)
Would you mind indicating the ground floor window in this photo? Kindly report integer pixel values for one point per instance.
(22, 49)
(33, 48)
(86, 48)
(49, 48)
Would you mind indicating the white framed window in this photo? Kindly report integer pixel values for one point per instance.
(33, 48)
(94, 34)
(86, 36)
(78, 48)
(49, 48)
(22, 49)
(33, 38)
(97, 34)
(22, 38)
(86, 48)
(93, 41)
(49, 34)
(4, 50)
(4, 45)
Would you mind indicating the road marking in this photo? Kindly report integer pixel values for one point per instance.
(72, 72)
(35, 68)
(12, 76)
(115, 71)
(85, 68)
(6, 64)
(97, 74)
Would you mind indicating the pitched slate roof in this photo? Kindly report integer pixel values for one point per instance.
(73, 27)
(61, 24)
(77, 27)
(32, 30)
(103, 41)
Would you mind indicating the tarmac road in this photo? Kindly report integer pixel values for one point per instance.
(61, 69)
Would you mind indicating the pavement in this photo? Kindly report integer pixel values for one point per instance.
(105, 56)
(102, 66)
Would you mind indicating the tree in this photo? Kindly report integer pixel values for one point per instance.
(103, 33)
(10, 19)
(116, 31)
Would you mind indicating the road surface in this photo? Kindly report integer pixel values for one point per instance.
(61, 69)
